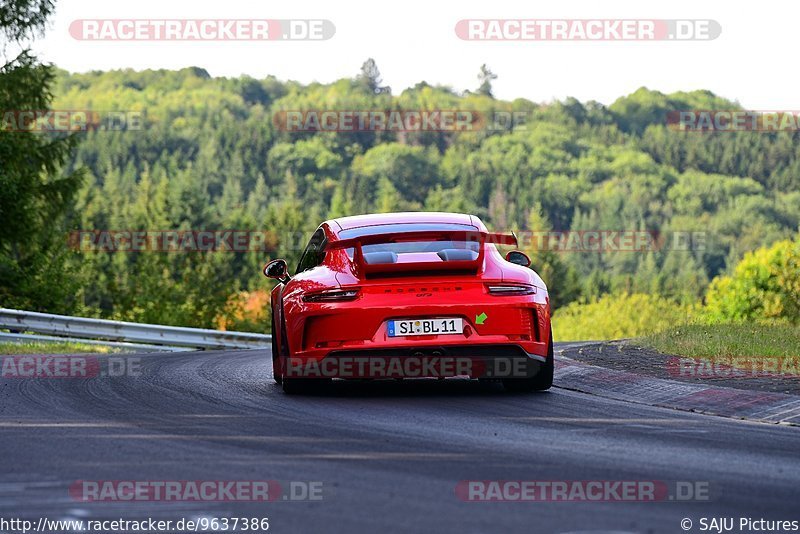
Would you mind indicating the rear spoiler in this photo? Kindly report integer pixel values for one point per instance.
(356, 243)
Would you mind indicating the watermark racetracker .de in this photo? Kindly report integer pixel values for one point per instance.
(69, 120)
(607, 241)
(583, 491)
(738, 120)
(588, 29)
(44, 366)
(202, 29)
(397, 120)
(172, 240)
(112, 491)
(419, 365)
(734, 367)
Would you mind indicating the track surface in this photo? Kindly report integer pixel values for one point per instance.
(389, 455)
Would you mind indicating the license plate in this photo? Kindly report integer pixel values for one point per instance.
(425, 327)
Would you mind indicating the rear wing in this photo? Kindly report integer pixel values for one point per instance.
(458, 264)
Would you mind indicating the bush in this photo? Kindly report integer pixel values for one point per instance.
(619, 316)
(246, 312)
(764, 286)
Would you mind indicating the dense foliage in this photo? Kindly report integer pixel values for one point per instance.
(211, 157)
(34, 194)
(619, 316)
(765, 285)
(761, 296)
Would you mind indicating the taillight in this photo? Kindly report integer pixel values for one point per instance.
(332, 295)
(511, 289)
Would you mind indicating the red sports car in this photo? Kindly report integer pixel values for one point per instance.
(410, 295)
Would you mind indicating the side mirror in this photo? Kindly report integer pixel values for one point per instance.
(518, 258)
(277, 269)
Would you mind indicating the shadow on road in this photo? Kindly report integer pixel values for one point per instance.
(448, 387)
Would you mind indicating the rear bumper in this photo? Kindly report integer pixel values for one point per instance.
(421, 361)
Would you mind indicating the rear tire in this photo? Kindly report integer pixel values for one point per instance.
(543, 379)
(295, 386)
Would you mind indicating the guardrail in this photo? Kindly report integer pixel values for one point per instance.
(124, 332)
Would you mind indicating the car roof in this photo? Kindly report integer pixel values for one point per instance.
(425, 217)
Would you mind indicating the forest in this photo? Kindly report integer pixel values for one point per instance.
(212, 155)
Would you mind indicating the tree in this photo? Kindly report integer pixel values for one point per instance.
(387, 198)
(561, 279)
(34, 195)
(486, 76)
(412, 171)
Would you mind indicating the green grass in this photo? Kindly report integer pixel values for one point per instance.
(39, 347)
(725, 340)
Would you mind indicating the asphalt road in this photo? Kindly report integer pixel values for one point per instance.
(389, 455)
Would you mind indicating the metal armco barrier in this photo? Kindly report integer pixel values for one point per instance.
(119, 331)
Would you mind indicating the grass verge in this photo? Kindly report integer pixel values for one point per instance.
(753, 340)
(38, 347)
